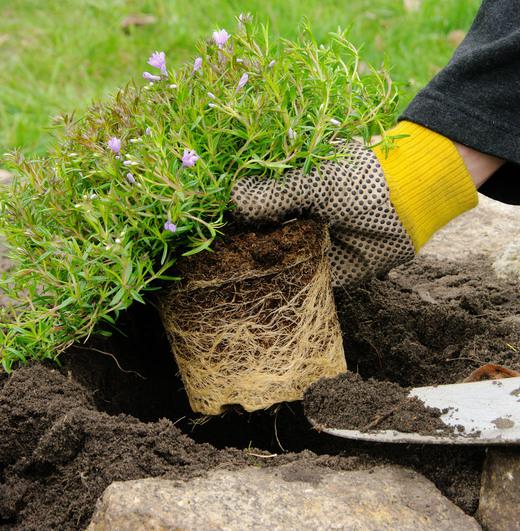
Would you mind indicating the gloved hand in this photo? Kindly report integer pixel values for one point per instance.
(380, 210)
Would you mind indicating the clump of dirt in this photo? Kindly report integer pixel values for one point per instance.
(256, 323)
(58, 453)
(349, 402)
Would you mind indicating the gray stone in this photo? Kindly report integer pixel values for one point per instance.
(507, 265)
(499, 505)
(284, 498)
(488, 229)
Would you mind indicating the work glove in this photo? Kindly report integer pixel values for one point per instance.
(380, 209)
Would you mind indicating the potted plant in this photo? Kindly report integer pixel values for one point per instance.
(143, 181)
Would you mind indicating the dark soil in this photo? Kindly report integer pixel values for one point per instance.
(116, 410)
(347, 401)
(58, 452)
(265, 248)
(431, 322)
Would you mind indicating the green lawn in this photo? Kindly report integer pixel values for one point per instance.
(59, 55)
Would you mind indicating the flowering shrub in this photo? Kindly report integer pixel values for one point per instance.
(146, 177)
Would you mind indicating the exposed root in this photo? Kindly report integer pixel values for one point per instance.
(129, 371)
(255, 341)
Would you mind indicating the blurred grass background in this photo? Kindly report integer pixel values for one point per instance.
(59, 55)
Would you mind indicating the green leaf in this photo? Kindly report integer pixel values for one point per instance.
(198, 248)
(117, 297)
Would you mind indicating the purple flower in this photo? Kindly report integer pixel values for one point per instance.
(170, 226)
(189, 158)
(271, 64)
(220, 37)
(114, 144)
(243, 81)
(212, 105)
(148, 131)
(197, 64)
(333, 121)
(158, 60)
(130, 178)
(211, 95)
(151, 77)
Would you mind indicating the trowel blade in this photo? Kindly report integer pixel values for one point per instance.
(488, 411)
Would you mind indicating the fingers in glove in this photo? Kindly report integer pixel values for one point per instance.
(265, 200)
(356, 255)
(348, 266)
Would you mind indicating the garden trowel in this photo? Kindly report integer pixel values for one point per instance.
(482, 412)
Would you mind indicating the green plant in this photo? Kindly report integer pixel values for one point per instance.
(146, 177)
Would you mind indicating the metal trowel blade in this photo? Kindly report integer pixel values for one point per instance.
(488, 411)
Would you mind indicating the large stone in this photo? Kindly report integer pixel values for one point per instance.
(499, 505)
(487, 229)
(507, 265)
(284, 498)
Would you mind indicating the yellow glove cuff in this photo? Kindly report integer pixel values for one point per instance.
(428, 181)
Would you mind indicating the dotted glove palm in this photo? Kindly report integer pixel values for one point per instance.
(380, 210)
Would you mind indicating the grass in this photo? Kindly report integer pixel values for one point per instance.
(59, 55)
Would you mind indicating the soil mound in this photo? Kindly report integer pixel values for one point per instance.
(347, 401)
(431, 322)
(58, 453)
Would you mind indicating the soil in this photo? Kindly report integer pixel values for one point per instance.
(432, 322)
(265, 248)
(347, 401)
(116, 410)
(59, 453)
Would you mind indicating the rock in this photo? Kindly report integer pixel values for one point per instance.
(488, 229)
(283, 498)
(500, 491)
(507, 265)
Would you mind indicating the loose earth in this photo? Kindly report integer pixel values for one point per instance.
(115, 409)
(350, 402)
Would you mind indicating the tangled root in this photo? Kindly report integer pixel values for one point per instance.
(255, 341)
